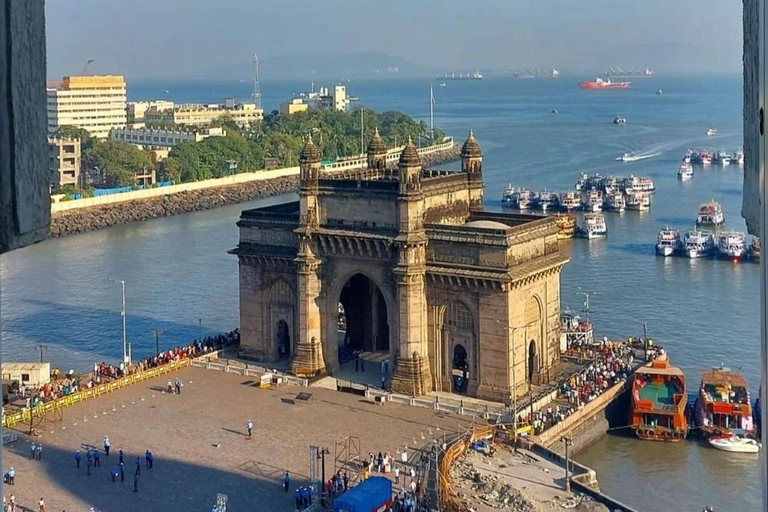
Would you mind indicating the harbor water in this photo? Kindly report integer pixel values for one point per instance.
(179, 278)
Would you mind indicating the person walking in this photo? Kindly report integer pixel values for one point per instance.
(96, 458)
(383, 381)
(170, 386)
(286, 481)
(41, 504)
(39, 451)
(397, 475)
(11, 476)
(106, 445)
(120, 456)
(138, 466)
(113, 474)
(122, 472)
(77, 459)
(32, 450)
(178, 385)
(151, 459)
(12, 503)
(249, 428)
(146, 458)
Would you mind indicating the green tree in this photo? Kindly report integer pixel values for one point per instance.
(170, 170)
(73, 132)
(117, 161)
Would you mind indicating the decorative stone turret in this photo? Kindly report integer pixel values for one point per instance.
(377, 152)
(409, 170)
(308, 356)
(471, 156)
(309, 165)
(472, 164)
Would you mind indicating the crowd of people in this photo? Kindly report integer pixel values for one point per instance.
(610, 363)
(63, 385)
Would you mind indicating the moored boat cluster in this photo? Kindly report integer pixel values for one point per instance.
(706, 239)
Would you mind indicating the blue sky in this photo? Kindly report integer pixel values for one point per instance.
(158, 38)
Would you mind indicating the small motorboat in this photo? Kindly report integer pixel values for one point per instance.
(554, 111)
(711, 132)
(735, 444)
(619, 120)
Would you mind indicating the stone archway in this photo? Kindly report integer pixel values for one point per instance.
(283, 340)
(365, 318)
(460, 369)
(459, 338)
(534, 331)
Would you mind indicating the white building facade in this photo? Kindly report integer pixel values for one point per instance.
(94, 103)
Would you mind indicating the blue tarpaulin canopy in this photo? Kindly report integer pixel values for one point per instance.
(366, 496)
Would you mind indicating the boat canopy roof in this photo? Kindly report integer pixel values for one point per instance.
(719, 377)
(660, 370)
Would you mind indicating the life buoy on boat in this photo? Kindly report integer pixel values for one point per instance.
(641, 432)
(650, 433)
(669, 434)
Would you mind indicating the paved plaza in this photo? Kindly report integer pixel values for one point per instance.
(200, 447)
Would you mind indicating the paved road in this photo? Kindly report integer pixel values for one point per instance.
(182, 431)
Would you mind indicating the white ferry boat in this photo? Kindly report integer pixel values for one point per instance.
(570, 200)
(594, 226)
(738, 157)
(638, 184)
(722, 158)
(581, 183)
(546, 200)
(685, 172)
(687, 157)
(732, 245)
(619, 120)
(698, 243)
(711, 132)
(610, 184)
(509, 196)
(592, 200)
(615, 202)
(523, 200)
(638, 201)
(668, 242)
(711, 214)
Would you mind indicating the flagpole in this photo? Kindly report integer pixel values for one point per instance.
(432, 113)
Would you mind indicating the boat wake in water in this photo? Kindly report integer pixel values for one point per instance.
(627, 157)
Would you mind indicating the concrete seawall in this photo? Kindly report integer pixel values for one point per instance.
(83, 215)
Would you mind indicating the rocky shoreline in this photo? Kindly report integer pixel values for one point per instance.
(82, 220)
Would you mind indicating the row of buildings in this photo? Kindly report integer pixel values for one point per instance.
(98, 104)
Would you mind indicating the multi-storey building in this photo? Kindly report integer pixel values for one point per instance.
(136, 109)
(157, 138)
(94, 103)
(64, 162)
(201, 115)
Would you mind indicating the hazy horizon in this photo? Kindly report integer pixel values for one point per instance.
(157, 39)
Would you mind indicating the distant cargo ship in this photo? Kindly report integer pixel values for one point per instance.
(631, 73)
(461, 76)
(599, 83)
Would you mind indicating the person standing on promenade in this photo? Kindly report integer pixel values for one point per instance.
(106, 445)
(41, 504)
(12, 503)
(32, 451)
(146, 458)
(178, 385)
(138, 466)
(77, 459)
(249, 428)
(39, 451)
(122, 472)
(151, 459)
(113, 474)
(286, 481)
(96, 459)
(120, 456)
(170, 386)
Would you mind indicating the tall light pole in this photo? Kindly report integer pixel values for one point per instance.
(568, 442)
(126, 355)
(40, 347)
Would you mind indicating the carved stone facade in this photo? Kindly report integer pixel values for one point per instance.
(460, 299)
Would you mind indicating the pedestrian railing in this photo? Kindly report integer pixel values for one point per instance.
(249, 370)
(25, 415)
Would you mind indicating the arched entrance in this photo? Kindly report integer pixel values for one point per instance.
(460, 369)
(363, 324)
(283, 340)
(532, 369)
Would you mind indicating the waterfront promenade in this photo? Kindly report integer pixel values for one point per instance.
(183, 432)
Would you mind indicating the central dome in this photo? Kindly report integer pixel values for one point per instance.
(485, 224)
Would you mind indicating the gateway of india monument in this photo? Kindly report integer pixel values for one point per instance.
(450, 292)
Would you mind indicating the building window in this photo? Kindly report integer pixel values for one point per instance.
(24, 377)
(459, 316)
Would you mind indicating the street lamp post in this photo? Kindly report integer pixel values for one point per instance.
(568, 442)
(126, 356)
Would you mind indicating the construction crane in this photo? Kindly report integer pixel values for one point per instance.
(87, 65)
